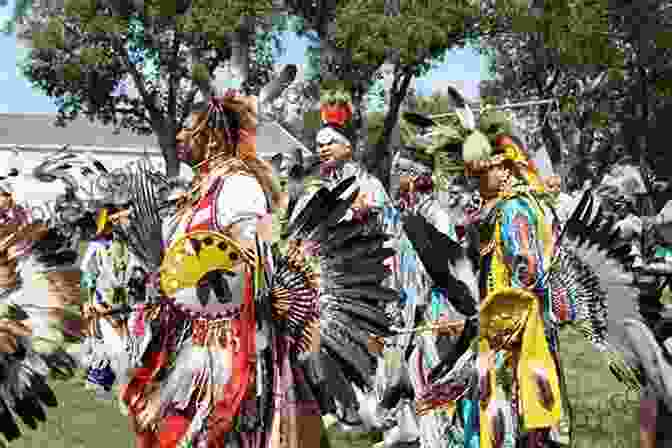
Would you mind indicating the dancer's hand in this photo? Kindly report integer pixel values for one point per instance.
(10, 330)
(150, 403)
(450, 328)
(376, 345)
(486, 360)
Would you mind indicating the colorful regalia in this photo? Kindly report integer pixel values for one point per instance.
(224, 351)
(532, 281)
(520, 397)
(108, 270)
(408, 275)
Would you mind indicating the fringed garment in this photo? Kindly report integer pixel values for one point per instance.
(518, 241)
(107, 268)
(224, 377)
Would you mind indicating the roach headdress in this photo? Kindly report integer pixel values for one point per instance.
(336, 116)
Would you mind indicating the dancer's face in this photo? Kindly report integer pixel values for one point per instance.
(5, 201)
(492, 179)
(335, 151)
(191, 149)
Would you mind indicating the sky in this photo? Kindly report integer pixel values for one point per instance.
(462, 68)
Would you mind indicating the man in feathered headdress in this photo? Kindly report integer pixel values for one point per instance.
(518, 334)
(335, 147)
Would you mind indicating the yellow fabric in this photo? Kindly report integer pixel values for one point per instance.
(182, 267)
(535, 354)
(486, 420)
(101, 221)
(508, 316)
(500, 274)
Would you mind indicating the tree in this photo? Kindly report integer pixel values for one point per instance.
(608, 74)
(91, 60)
(19, 14)
(356, 38)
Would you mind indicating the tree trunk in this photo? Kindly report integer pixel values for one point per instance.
(359, 123)
(551, 139)
(166, 135)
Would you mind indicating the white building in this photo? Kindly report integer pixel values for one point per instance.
(26, 138)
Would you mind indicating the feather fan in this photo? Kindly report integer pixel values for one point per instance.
(591, 288)
(351, 298)
(144, 231)
(436, 251)
(24, 391)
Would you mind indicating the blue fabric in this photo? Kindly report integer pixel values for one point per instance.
(468, 410)
(410, 295)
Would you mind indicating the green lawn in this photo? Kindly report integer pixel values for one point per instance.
(81, 421)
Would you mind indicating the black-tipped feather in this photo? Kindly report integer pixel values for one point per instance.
(144, 231)
(436, 251)
(593, 286)
(351, 258)
(8, 425)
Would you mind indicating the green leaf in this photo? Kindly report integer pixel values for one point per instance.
(199, 72)
(72, 72)
(495, 122)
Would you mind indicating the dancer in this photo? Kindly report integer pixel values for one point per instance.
(436, 219)
(225, 351)
(107, 274)
(517, 245)
(435, 343)
(408, 275)
(58, 255)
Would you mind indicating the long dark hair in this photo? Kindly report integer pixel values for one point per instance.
(222, 130)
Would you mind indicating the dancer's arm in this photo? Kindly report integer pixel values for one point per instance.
(522, 246)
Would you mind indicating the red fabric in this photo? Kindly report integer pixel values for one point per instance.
(236, 390)
(336, 113)
(648, 414)
(173, 428)
(503, 140)
(146, 440)
(142, 377)
(171, 431)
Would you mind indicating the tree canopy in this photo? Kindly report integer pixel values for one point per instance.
(607, 73)
(143, 71)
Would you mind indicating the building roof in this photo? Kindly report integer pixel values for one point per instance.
(39, 130)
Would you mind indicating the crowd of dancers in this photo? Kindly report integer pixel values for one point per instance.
(232, 311)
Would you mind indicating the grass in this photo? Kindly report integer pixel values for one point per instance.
(605, 417)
